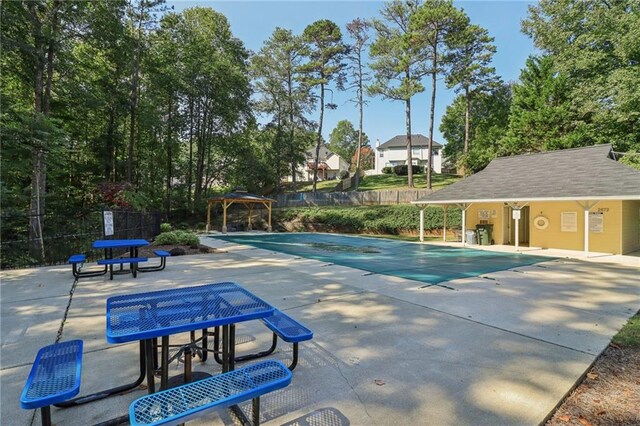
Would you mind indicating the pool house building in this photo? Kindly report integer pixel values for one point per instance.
(572, 199)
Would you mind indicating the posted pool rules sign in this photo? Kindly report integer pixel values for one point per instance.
(108, 223)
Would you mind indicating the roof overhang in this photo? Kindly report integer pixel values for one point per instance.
(528, 200)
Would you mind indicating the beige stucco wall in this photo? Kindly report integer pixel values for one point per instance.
(631, 226)
(621, 229)
(495, 219)
(553, 237)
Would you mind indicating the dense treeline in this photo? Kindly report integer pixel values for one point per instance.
(125, 103)
(582, 89)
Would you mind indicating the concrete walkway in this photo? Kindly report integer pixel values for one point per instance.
(499, 349)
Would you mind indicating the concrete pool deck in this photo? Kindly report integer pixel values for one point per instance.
(503, 348)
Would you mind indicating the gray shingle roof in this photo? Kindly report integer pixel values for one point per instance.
(400, 141)
(579, 173)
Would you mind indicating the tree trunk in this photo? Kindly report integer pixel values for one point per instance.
(190, 171)
(169, 157)
(319, 142)
(134, 96)
(42, 108)
(407, 110)
(467, 119)
(431, 119)
(361, 111)
(292, 139)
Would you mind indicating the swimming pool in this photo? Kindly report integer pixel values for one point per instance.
(427, 263)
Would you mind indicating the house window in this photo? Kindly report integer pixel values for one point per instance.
(435, 152)
(381, 154)
(416, 151)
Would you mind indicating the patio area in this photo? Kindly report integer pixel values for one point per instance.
(502, 348)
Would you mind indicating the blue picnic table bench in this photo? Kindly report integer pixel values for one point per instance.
(54, 378)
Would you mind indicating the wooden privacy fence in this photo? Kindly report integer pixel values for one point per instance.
(353, 198)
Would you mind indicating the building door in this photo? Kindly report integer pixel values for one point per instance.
(523, 226)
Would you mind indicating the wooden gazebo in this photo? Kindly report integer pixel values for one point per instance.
(238, 197)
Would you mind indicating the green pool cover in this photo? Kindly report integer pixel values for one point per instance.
(421, 262)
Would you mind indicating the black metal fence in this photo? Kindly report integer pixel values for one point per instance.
(64, 235)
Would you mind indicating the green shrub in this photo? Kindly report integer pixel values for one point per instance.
(387, 170)
(403, 169)
(180, 238)
(165, 227)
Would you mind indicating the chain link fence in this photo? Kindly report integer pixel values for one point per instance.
(64, 235)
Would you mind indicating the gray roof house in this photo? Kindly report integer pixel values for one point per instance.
(400, 141)
(548, 190)
(394, 152)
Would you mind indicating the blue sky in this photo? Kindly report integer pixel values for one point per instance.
(254, 21)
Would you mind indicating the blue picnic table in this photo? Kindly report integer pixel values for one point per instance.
(109, 245)
(144, 317)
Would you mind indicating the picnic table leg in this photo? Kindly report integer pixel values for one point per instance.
(151, 384)
(205, 345)
(45, 415)
(164, 376)
(114, 391)
(232, 347)
(225, 348)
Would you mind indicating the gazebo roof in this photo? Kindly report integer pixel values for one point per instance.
(242, 196)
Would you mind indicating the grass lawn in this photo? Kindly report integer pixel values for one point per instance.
(381, 182)
(629, 336)
(323, 186)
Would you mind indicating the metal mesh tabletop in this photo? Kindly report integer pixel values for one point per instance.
(162, 313)
(178, 404)
(55, 375)
(109, 244)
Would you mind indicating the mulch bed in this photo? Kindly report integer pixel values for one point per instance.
(184, 250)
(608, 395)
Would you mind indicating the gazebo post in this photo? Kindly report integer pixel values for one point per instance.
(208, 216)
(224, 216)
(422, 224)
(269, 229)
(250, 206)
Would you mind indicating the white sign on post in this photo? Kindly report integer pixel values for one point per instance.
(108, 223)
(596, 222)
(516, 214)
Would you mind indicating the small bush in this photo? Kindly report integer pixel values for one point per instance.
(403, 170)
(387, 170)
(344, 174)
(165, 227)
(180, 238)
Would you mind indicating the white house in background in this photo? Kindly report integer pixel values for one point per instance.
(330, 165)
(394, 152)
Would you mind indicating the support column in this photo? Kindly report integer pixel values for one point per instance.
(422, 224)
(224, 216)
(517, 230)
(464, 226)
(586, 232)
(250, 212)
(269, 228)
(586, 206)
(444, 223)
(208, 217)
